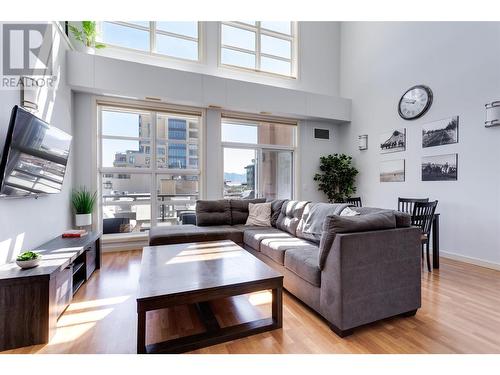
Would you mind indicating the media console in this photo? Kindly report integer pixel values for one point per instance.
(32, 300)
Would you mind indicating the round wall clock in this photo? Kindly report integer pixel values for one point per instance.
(415, 102)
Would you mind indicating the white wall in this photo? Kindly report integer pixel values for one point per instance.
(318, 53)
(26, 222)
(459, 61)
(309, 152)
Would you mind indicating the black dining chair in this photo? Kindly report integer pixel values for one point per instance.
(354, 201)
(406, 204)
(422, 216)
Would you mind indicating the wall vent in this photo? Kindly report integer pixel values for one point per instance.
(321, 133)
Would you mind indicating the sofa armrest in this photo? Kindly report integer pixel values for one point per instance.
(368, 276)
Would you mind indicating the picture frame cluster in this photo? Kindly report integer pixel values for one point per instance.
(441, 167)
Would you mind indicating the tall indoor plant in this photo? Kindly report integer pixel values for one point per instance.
(83, 204)
(87, 35)
(337, 176)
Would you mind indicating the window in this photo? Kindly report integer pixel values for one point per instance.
(141, 188)
(260, 46)
(173, 39)
(258, 158)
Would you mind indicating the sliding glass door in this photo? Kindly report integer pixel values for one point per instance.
(240, 173)
(257, 173)
(276, 174)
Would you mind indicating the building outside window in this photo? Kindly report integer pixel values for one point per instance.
(141, 188)
(260, 46)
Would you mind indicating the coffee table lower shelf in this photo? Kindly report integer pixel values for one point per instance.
(214, 333)
(209, 338)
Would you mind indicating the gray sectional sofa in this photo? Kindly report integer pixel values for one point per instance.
(354, 270)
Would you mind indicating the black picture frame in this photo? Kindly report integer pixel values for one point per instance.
(430, 95)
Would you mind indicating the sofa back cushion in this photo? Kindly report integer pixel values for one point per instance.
(335, 224)
(276, 210)
(290, 215)
(403, 220)
(239, 209)
(310, 225)
(213, 212)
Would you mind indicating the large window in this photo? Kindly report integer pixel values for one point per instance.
(140, 187)
(258, 158)
(260, 46)
(174, 39)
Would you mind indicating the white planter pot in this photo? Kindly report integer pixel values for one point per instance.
(28, 263)
(89, 50)
(82, 220)
(83, 48)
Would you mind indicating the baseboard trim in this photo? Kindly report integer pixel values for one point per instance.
(471, 260)
(123, 246)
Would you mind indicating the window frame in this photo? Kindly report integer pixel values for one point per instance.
(259, 31)
(261, 147)
(152, 171)
(153, 31)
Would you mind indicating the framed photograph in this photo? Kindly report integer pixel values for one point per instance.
(393, 141)
(441, 132)
(392, 171)
(440, 167)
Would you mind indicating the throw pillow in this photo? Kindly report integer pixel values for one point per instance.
(259, 214)
(348, 211)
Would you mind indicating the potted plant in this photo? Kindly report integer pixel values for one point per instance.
(337, 177)
(83, 203)
(28, 259)
(87, 36)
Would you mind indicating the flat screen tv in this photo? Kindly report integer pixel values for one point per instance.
(34, 156)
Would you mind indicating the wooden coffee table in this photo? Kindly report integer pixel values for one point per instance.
(195, 273)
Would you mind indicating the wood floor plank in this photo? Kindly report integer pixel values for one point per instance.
(460, 314)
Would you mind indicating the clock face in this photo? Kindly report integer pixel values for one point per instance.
(415, 102)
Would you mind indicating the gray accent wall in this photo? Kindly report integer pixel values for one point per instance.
(460, 62)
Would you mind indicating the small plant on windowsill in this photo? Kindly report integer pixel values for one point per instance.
(83, 204)
(337, 177)
(87, 35)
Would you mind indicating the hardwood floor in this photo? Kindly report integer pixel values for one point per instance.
(460, 314)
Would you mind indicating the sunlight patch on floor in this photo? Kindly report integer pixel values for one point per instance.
(96, 303)
(71, 326)
(72, 319)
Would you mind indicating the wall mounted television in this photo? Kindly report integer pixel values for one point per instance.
(34, 158)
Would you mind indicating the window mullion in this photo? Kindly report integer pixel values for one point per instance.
(154, 168)
(152, 36)
(257, 46)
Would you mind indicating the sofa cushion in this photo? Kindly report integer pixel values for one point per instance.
(304, 262)
(403, 220)
(276, 209)
(253, 237)
(213, 212)
(290, 214)
(275, 248)
(167, 235)
(347, 224)
(310, 225)
(259, 214)
(239, 209)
